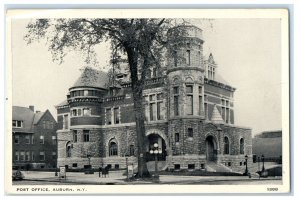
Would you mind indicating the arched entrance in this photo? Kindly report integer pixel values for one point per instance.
(211, 148)
(152, 139)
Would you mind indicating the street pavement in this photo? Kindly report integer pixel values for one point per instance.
(117, 178)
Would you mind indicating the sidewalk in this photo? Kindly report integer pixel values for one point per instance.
(117, 177)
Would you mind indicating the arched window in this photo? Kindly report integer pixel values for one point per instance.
(113, 148)
(242, 146)
(68, 149)
(131, 150)
(226, 145)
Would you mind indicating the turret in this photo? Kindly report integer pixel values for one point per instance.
(185, 70)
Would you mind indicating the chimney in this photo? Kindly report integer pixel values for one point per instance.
(31, 108)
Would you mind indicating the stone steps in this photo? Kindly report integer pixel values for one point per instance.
(215, 167)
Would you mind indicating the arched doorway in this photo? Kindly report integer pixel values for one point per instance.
(152, 139)
(211, 148)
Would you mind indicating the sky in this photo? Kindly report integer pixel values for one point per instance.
(247, 51)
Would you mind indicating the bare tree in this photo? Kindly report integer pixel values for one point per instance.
(141, 40)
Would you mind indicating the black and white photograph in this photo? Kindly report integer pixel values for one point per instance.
(108, 101)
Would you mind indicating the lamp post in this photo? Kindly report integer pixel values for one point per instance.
(246, 170)
(156, 151)
(126, 156)
(263, 160)
(258, 163)
(89, 158)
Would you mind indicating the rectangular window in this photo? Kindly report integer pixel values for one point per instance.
(176, 100)
(17, 156)
(176, 90)
(116, 116)
(177, 166)
(223, 113)
(188, 45)
(22, 156)
(17, 124)
(81, 93)
(191, 166)
(91, 93)
(189, 99)
(200, 104)
(42, 139)
(79, 112)
(54, 140)
(131, 150)
(176, 137)
(27, 139)
(152, 110)
(86, 93)
(152, 97)
(176, 105)
(159, 96)
(189, 105)
(159, 113)
(86, 112)
(17, 139)
(27, 156)
(189, 89)
(66, 122)
(188, 57)
(32, 139)
(32, 156)
(190, 132)
(42, 156)
(44, 124)
(86, 135)
(154, 72)
(227, 115)
(108, 116)
(74, 112)
(200, 90)
(75, 139)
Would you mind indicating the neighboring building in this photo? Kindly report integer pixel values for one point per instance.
(189, 111)
(269, 144)
(34, 138)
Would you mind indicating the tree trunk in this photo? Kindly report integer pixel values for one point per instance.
(137, 91)
(141, 137)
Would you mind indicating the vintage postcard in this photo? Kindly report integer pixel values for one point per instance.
(119, 101)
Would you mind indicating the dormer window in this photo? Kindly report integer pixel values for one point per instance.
(17, 124)
(211, 72)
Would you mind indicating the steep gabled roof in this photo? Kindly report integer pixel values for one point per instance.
(216, 116)
(37, 117)
(92, 78)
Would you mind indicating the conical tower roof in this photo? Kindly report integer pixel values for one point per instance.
(216, 116)
(92, 78)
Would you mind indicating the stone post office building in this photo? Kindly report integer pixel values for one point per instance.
(189, 112)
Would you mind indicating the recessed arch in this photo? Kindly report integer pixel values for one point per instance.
(226, 146)
(189, 79)
(113, 149)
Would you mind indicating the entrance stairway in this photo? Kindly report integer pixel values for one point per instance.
(161, 165)
(216, 167)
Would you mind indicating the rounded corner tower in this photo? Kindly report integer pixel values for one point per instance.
(185, 74)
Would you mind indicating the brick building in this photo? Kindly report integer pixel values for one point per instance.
(189, 111)
(34, 141)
